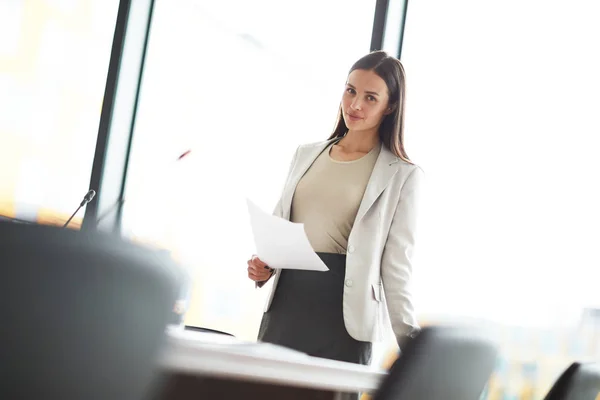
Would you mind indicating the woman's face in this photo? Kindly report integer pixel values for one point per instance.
(365, 101)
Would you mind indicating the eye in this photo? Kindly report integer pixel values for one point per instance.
(350, 90)
(371, 98)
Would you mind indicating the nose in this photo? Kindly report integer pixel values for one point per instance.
(356, 104)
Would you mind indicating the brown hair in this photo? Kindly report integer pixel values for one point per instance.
(391, 130)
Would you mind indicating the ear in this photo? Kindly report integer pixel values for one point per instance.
(390, 109)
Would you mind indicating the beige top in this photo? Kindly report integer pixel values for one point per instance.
(328, 196)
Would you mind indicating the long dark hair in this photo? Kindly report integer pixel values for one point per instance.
(391, 130)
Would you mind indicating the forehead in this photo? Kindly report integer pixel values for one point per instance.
(367, 81)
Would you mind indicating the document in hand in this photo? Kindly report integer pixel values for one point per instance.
(281, 243)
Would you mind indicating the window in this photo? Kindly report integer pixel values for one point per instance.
(53, 63)
(241, 84)
(502, 114)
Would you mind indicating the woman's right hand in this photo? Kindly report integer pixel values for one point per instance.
(258, 271)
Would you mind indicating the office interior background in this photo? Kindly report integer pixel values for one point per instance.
(502, 115)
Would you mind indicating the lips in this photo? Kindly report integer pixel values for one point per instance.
(353, 117)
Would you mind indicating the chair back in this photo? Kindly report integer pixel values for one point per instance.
(83, 315)
(578, 382)
(449, 363)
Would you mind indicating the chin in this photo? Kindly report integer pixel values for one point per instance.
(352, 124)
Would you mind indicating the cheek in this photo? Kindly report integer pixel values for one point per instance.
(376, 113)
(346, 101)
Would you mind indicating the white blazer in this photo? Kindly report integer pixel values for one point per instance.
(380, 246)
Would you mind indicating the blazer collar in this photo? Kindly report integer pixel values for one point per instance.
(384, 170)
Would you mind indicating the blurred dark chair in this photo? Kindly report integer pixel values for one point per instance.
(447, 363)
(205, 330)
(578, 382)
(83, 315)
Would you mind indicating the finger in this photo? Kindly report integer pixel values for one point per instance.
(258, 262)
(259, 270)
(262, 266)
(259, 274)
(257, 278)
(252, 275)
(255, 269)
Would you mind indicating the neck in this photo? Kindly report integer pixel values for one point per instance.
(359, 141)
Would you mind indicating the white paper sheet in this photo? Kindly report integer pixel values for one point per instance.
(281, 243)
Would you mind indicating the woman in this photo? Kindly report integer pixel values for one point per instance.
(356, 195)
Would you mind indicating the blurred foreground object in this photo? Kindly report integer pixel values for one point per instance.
(578, 382)
(83, 314)
(449, 363)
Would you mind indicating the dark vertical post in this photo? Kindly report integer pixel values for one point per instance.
(388, 26)
(381, 8)
(117, 120)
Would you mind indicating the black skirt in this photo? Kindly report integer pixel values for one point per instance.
(306, 314)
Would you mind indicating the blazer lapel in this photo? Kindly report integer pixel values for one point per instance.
(304, 162)
(385, 168)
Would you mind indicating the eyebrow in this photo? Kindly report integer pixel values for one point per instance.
(369, 92)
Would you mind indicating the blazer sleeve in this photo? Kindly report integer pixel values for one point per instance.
(397, 259)
(278, 211)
